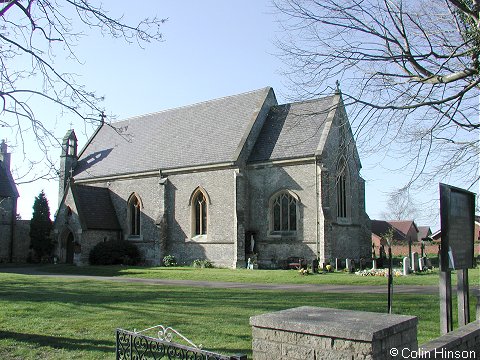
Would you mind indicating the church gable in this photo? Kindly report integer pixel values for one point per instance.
(293, 130)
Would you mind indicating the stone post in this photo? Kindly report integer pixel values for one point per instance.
(406, 265)
(325, 333)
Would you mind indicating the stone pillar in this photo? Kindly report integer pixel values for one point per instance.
(240, 220)
(161, 220)
(324, 333)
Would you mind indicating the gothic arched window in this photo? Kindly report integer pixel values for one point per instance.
(283, 212)
(199, 207)
(342, 185)
(134, 213)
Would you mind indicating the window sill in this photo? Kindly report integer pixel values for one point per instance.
(283, 235)
(198, 238)
(344, 221)
(135, 238)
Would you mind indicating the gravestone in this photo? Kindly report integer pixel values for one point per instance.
(415, 262)
(421, 264)
(338, 264)
(406, 265)
(348, 264)
(374, 264)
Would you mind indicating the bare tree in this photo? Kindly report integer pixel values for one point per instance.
(409, 72)
(400, 206)
(32, 34)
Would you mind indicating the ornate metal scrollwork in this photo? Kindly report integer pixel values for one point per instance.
(167, 333)
(138, 346)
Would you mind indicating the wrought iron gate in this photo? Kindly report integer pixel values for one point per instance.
(134, 345)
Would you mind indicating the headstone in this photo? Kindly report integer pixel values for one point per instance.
(362, 264)
(352, 266)
(338, 264)
(421, 264)
(315, 266)
(406, 265)
(348, 264)
(415, 262)
(374, 264)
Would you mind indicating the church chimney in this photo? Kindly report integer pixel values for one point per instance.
(68, 160)
(4, 155)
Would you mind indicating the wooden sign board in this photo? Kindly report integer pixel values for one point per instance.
(457, 216)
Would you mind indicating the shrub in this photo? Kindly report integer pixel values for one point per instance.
(114, 252)
(169, 260)
(202, 264)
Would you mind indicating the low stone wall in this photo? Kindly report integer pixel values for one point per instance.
(324, 333)
(462, 343)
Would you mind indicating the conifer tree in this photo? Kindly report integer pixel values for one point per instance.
(41, 227)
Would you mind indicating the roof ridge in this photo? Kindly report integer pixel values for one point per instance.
(266, 88)
(308, 100)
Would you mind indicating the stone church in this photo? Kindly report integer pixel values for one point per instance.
(225, 180)
(8, 206)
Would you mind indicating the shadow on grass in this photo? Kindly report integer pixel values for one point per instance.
(59, 342)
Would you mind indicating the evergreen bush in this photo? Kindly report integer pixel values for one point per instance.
(114, 252)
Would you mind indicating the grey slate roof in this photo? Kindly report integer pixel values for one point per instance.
(7, 185)
(292, 130)
(95, 207)
(200, 134)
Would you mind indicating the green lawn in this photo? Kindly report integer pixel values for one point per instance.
(250, 276)
(58, 318)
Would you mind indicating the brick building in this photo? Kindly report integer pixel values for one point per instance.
(220, 180)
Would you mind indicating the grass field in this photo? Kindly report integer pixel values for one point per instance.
(59, 318)
(249, 276)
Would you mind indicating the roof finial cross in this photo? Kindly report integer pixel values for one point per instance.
(102, 117)
(337, 90)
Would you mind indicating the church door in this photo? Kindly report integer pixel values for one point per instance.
(69, 259)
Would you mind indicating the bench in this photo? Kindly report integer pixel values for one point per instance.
(295, 262)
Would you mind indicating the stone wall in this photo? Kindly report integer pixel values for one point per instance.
(219, 244)
(323, 333)
(263, 183)
(462, 343)
(21, 243)
(7, 209)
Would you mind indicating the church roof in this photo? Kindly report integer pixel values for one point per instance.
(293, 130)
(7, 185)
(206, 133)
(95, 207)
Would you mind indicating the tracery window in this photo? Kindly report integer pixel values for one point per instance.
(134, 213)
(283, 212)
(199, 205)
(342, 189)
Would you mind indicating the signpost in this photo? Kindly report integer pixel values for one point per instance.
(457, 216)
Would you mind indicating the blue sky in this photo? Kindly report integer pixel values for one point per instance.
(211, 49)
